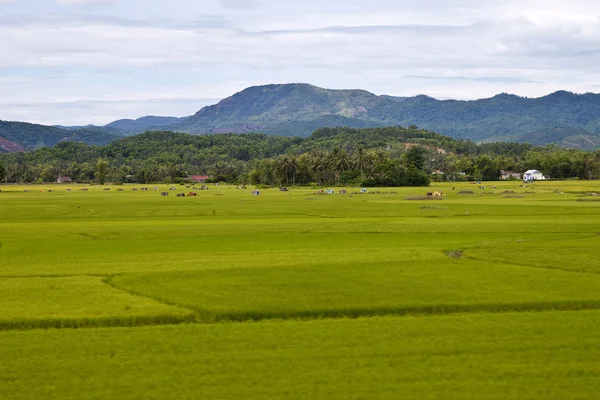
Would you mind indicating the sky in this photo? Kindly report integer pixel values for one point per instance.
(79, 62)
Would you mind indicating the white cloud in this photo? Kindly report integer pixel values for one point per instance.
(85, 2)
(242, 4)
(459, 48)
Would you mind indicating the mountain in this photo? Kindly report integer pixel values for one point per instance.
(127, 127)
(18, 136)
(298, 109)
(290, 110)
(133, 126)
(562, 118)
(568, 137)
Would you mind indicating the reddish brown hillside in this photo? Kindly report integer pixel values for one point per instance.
(10, 147)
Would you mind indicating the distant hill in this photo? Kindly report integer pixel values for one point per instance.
(133, 126)
(298, 109)
(32, 136)
(562, 118)
(290, 110)
(576, 138)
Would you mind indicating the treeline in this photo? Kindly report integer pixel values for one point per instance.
(393, 156)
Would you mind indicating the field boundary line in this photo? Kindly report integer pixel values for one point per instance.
(552, 268)
(23, 324)
(432, 311)
(108, 280)
(57, 276)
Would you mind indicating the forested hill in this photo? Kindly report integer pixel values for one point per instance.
(392, 156)
(299, 109)
(566, 119)
(17, 136)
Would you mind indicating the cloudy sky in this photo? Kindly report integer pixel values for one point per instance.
(94, 61)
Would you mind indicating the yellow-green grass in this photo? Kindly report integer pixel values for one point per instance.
(77, 302)
(580, 254)
(366, 289)
(519, 356)
(134, 258)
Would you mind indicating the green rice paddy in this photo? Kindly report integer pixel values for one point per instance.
(299, 295)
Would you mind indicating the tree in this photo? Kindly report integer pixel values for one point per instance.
(416, 157)
(101, 168)
(48, 174)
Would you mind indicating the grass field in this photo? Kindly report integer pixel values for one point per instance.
(489, 295)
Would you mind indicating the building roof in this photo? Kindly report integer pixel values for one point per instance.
(532, 171)
(199, 177)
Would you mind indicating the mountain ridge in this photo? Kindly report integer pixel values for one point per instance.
(298, 109)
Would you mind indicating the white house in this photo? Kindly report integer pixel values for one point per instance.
(533, 175)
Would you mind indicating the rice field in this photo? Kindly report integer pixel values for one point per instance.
(488, 293)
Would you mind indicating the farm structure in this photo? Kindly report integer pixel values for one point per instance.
(506, 175)
(64, 179)
(199, 178)
(533, 175)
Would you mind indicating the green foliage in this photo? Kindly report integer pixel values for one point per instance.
(331, 156)
(33, 136)
(101, 168)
